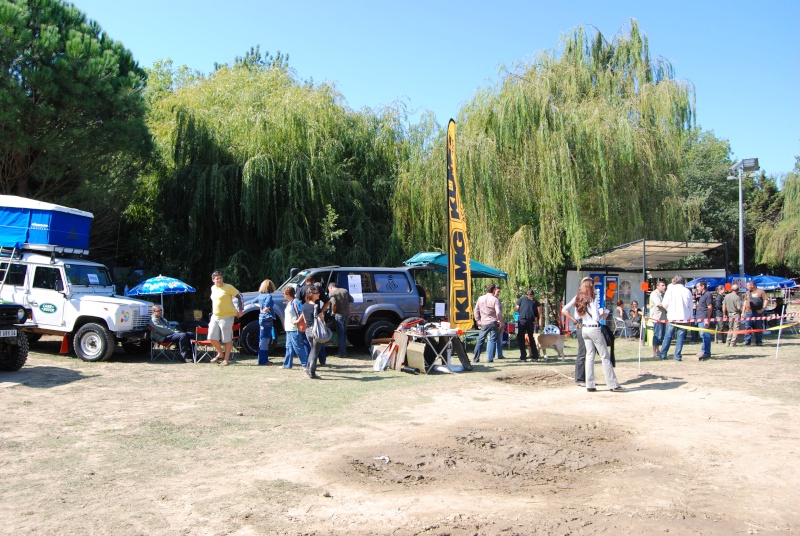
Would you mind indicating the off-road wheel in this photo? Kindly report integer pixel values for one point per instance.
(94, 342)
(249, 338)
(13, 356)
(380, 329)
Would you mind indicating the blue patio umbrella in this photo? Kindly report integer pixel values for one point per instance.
(160, 285)
(772, 282)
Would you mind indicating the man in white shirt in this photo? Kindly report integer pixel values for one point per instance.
(679, 303)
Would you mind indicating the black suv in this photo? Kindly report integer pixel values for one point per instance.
(13, 342)
(383, 297)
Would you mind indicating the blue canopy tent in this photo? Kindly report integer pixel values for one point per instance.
(437, 262)
(764, 282)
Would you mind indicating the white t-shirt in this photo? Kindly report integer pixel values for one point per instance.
(678, 302)
(593, 311)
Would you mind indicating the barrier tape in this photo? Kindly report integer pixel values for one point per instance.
(725, 318)
(737, 332)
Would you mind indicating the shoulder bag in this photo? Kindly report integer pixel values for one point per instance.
(301, 324)
(319, 330)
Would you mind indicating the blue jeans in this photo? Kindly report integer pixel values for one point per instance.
(753, 324)
(670, 331)
(294, 347)
(706, 337)
(489, 330)
(264, 339)
(658, 333)
(341, 335)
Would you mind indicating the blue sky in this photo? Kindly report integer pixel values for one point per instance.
(742, 57)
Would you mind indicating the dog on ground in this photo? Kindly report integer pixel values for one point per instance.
(548, 340)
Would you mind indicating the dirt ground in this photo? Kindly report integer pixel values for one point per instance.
(133, 447)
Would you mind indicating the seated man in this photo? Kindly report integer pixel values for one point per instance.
(163, 332)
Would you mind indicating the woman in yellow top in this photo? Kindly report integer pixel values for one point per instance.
(223, 313)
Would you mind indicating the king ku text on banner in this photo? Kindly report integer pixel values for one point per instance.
(459, 291)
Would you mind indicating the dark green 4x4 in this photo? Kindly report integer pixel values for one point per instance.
(13, 342)
(383, 297)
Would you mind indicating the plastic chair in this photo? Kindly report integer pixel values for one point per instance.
(163, 349)
(202, 346)
(620, 328)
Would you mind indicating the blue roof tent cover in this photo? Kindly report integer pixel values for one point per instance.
(432, 260)
(27, 221)
(764, 282)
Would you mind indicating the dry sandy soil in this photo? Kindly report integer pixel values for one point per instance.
(130, 447)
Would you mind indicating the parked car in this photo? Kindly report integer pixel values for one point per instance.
(383, 297)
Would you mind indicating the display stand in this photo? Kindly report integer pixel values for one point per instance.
(441, 345)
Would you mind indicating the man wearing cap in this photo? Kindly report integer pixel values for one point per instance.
(529, 309)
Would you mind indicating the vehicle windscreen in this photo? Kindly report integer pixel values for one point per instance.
(87, 275)
(296, 280)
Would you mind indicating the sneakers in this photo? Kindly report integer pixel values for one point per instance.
(591, 389)
(618, 389)
(580, 384)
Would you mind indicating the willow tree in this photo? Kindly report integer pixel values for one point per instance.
(779, 244)
(260, 172)
(574, 152)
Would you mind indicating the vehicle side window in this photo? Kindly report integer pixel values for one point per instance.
(364, 277)
(391, 282)
(47, 278)
(16, 275)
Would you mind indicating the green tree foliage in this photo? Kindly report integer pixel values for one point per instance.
(258, 172)
(778, 238)
(574, 152)
(71, 105)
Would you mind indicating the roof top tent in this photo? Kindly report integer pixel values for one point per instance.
(619, 272)
(36, 225)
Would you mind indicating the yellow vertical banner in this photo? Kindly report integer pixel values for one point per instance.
(459, 291)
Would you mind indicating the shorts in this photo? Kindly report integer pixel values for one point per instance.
(221, 329)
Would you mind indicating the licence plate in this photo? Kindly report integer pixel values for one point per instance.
(8, 333)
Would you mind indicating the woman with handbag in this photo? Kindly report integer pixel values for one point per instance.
(313, 318)
(293, 322)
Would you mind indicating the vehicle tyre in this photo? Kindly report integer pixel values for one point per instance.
(138, 347)
(13, 356)
(248, 338)
(380, 329)
(93, 342)
(33, 337)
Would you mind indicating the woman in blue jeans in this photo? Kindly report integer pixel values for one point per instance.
(266, 316)
(291, 318)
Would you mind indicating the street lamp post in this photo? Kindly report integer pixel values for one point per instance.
(740, 168)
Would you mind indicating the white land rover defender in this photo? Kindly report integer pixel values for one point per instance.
(43, 267)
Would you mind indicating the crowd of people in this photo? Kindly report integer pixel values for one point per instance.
(673, 310)
(304, 307)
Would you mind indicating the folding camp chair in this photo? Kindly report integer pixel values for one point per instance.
(236, 346)
(162, 349)
(202, 346)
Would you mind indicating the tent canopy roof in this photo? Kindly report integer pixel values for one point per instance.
(656, 252)
(433, 260)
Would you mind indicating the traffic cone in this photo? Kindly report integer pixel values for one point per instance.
(64, 345)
